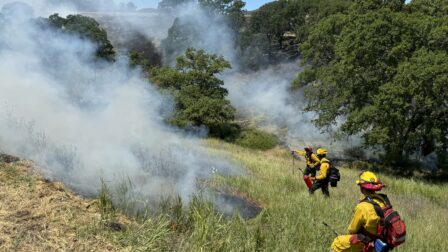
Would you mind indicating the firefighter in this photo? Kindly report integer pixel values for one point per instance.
(311, 161)
(363, 227)
(322, 179)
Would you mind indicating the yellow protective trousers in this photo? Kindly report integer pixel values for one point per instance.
(347, 243)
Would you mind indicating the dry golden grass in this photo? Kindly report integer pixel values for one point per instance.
(39, 215)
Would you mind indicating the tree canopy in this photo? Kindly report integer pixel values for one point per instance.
(276, 19)
(231, 9)
(200, 95)
(85, 27)
(380, 70)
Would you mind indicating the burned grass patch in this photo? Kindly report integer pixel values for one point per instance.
(230, 202)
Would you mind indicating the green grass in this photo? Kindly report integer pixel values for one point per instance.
(291, 219)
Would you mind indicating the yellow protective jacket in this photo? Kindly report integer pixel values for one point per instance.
(311, 160)
(324, 169)
(365, 217)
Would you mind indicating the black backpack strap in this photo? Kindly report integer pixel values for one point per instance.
(377, 207)
(385, 199)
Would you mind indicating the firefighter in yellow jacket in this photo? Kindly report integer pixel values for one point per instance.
(322, 179)
(365, 220)
(312, 161)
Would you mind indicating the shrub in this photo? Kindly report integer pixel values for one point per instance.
(256, 139)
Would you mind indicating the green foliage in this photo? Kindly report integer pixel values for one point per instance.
(437, 8)
(85, 27)
(105, 205)
(438, 37)
(263, 35)
(416, 101)
(200, 97)
(275, 19)
(308, 75)
(256, 139)
(362, 71)
(232, 9)
(271, 19)
(363, 6)
(319, 48)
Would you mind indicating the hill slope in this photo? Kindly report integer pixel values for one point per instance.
(37, 215)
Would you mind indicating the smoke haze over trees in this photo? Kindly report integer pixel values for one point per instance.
(370, 69)
(82, 119)
(185, 114)
(85, 27)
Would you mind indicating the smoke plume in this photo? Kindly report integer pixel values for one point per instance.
(265, 98)
(83, 120)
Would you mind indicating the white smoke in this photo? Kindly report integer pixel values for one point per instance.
(214, 34)
(210, 33)
(121, 26)
(44, 8)
(83, 120)
(264, 96)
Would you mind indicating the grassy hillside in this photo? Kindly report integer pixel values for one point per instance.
(291, 219)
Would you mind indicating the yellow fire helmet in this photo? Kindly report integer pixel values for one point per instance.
(369, 181)
(321, 151)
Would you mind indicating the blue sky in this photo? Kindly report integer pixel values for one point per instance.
(250, 4)
(255, 4)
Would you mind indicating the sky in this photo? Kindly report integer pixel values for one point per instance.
(255, 4)
(250, 4)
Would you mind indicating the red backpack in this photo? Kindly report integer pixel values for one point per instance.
(391, 228)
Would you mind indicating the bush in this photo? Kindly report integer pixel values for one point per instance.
(256, 139)
(199, 93)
